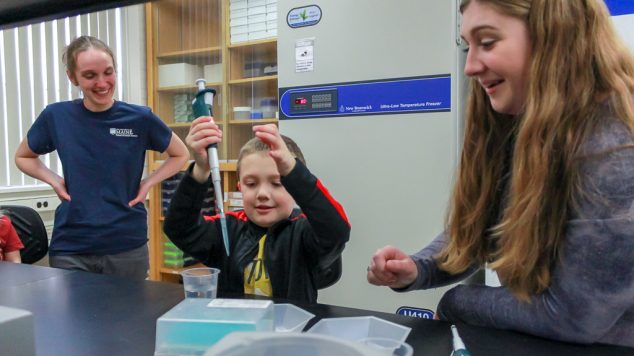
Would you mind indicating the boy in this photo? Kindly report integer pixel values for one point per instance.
(276, 249)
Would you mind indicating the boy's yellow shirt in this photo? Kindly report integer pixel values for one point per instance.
(256, 278)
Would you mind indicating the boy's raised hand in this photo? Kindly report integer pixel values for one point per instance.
(392, 267)
(270, 135)
(202, 133)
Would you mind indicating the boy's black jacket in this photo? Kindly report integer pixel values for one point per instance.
(296, 248)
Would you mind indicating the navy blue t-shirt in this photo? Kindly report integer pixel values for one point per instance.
(102, 155)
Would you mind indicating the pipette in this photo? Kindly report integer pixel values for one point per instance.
(458, 346)
(203, 106)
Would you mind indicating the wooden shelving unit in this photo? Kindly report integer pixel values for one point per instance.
(197, 32)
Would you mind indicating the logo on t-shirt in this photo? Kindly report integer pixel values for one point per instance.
(122, 132)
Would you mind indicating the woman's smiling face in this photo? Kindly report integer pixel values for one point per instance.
(498, 55)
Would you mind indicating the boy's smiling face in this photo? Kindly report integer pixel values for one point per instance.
(265, 199)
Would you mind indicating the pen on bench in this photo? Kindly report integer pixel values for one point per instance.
(458, 346)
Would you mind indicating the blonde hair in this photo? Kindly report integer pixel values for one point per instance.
(577, 62)
(256, 145)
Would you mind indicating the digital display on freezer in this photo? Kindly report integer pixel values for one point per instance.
(314, 101)
(431, 93)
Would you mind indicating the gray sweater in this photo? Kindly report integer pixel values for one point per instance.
(591, 295)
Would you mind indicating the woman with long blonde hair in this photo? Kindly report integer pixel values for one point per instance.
(545, 188)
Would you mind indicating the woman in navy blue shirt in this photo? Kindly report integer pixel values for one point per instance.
(101, 224)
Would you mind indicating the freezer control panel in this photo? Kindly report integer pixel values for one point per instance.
(315, 101)
(374, 97)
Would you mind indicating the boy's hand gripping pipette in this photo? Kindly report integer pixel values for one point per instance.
(203, 106)
(458, 346)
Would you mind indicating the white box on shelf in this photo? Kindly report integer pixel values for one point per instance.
(243, 37)
(234, 195)
(176, 74)
(213, 73)
(258, 26)
(257, 18)
(238, 21)
(236, 30)
(256, 10)
(236, 202)
(238, 13)
(258, 35)
(237, 5)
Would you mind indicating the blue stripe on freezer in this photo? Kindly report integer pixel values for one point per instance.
(620, 7)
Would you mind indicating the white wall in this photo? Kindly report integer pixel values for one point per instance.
(625, 26)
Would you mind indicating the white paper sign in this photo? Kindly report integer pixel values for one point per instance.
(304, 61)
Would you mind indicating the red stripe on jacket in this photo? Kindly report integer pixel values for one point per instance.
(240, 215)
(333, 202)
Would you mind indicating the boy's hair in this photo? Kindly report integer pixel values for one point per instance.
(81, 44)
(256, 145)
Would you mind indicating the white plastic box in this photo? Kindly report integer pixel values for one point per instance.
(239, 37)
(237, 5)
(238, 21)
(213, 73)
(238, 13)
(258, 35)
(255, 27)
(195, 324)
(257, 10)
(178, 74)
(241, 112)
(16, 332)
(256, 18)
(237, 30)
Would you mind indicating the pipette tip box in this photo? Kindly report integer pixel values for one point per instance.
(195, 324)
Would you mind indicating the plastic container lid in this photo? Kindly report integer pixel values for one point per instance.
(358, 328)
(242, 108)
(290, 319)
(261, 344)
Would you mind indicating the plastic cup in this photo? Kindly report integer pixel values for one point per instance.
(200, 282)
(388, 346)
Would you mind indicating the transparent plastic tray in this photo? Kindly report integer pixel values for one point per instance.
(358, 328)
(290, 319)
